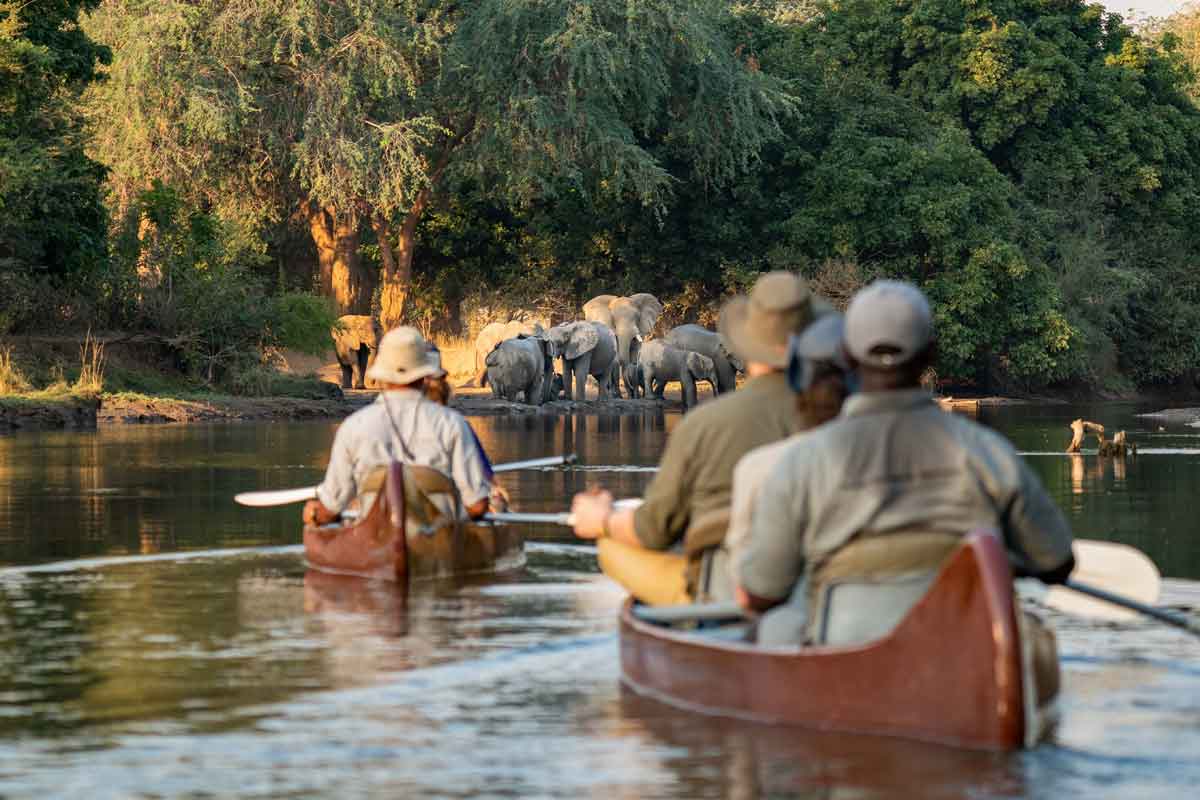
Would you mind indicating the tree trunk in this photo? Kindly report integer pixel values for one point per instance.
(341, 272)
(396, 273)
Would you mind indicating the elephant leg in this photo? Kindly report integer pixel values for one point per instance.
(568, 374)
(582, 367)
(647, 383)
(360, 379)
(726, 378)
(535, 393)
(347, 376)
(688, 384)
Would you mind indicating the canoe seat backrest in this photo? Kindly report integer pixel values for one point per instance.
(432, 500)
(866, 588)
(707, 581)
(368, 491)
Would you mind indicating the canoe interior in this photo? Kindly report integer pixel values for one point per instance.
(377, 545)
(950, 672)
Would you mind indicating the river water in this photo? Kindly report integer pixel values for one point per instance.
(158, 641)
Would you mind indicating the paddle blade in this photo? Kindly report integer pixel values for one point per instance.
(281, 497)
(1115, 568)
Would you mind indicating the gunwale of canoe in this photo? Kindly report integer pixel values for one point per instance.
(950, 672)
(374, 547)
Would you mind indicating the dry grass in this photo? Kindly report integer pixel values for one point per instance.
(91, 366)
(12, 380)
(458, 356)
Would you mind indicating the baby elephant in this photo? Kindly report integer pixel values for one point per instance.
(661, 363)
(524, 364)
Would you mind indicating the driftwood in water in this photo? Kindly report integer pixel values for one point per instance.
(1080, 428)
(1116, 447)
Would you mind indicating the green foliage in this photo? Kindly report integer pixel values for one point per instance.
(51, 216)
(1034, 165)
(202, 294)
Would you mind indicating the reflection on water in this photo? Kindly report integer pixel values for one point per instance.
(236, 671)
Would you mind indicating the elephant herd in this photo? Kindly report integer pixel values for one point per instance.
(612, 344)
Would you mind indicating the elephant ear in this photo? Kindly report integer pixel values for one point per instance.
(598, 306)
(649, 309)
(583, 338)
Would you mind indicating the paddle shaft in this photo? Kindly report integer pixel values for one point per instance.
(283, 497)
(1167, 617)
(534, 463)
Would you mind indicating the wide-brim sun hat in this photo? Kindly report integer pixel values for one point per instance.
(887, 324)
(757, 328)
(404, 357)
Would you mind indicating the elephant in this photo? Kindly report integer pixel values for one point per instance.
(586, 348)
(524, 364)
(631, 318)
(492, 335)
(701, 340)
(662, 363)
(356, 343)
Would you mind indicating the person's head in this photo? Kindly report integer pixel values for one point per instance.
(757, 327)
(404, 360)
(437, 387)
(889, 335)
(818, 370)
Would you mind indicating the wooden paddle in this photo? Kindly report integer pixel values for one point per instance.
(283, 497)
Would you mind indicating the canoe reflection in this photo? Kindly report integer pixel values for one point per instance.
(734, 759)
(384, 602)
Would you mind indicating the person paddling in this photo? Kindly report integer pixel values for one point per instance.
(402, 425)
(688, 501)
(875, 500)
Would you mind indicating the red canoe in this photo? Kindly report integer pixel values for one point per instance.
(950, 672)
(391, 544)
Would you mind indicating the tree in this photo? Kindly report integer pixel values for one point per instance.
(1065, 101)
(52, 221)
(357, 115)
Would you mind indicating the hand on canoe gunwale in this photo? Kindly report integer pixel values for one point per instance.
(316, 514)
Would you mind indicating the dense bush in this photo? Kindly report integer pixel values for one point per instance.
(199, 290)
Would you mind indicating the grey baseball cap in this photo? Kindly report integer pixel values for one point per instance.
(887, 324)
(816, 351)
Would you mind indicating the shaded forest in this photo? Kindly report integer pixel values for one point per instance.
(232, 174)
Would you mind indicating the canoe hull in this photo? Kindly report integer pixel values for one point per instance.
(951, 671)
(378, 546)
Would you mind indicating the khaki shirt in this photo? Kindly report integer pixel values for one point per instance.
(895, 462)
(748, 478)
(417, 431)
(695, 475)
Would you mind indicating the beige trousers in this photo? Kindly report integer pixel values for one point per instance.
(655, 578)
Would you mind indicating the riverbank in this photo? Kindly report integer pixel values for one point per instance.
(48, 410)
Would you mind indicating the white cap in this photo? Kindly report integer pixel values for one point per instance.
(887, 324)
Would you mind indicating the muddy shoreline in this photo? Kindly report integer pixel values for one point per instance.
(28, 414)
(83, 413)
